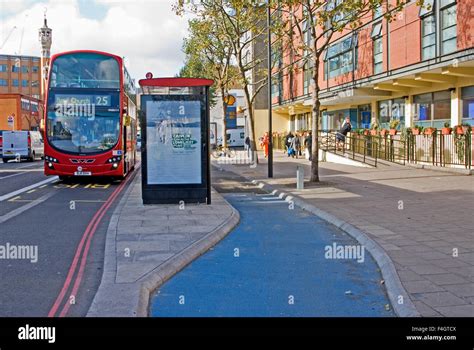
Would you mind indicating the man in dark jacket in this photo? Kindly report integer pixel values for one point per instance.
(342, 133)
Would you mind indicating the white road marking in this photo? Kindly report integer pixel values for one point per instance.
(270, 202)
(27, 188)
(25, 207)
(6, 177)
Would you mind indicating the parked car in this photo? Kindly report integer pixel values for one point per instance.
(21, 145)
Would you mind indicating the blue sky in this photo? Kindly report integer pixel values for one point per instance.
(146, 32)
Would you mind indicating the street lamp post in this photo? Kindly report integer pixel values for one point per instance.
(269, 88)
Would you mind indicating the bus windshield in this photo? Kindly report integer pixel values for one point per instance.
(82, 134)
(85, 70)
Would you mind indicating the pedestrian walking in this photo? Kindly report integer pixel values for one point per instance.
(247, 145)
(265, 143)
(288, 139)
(342, 133)
(293, 148)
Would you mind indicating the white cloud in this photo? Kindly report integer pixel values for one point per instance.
(149, 34)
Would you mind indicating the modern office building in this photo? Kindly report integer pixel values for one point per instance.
(20, 75)
(418, 69)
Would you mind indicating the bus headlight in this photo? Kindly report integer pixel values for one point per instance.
(115, 165)
(50, 159)
(50, 165)
(114, 159)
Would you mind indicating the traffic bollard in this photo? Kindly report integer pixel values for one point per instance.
(299, 177)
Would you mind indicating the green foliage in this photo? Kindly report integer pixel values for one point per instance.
(394, 123)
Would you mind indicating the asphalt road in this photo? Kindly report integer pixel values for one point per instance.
(273, 264)
(55, 217)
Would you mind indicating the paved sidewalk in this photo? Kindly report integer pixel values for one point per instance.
(422, 219)
(146, 245)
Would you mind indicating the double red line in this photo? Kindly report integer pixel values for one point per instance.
(82, 252)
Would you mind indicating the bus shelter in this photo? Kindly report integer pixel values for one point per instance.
(175, 140)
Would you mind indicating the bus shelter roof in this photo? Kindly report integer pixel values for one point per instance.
(160, 86)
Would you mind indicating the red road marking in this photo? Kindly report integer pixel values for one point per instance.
(88, 234)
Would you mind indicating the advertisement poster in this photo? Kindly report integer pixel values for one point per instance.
(173, 142)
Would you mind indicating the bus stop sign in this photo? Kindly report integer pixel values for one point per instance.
(175, 140)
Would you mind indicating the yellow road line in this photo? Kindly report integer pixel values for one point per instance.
(14, 198)
(31, 191)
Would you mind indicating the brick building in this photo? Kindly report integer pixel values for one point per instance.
(20, 91)
(418, 68)
(26, 111)
(20, 75)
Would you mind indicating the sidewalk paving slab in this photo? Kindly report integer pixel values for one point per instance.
(147, 244)
(419, 221)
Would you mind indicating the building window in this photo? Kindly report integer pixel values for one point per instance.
(24, 69)
(24, 83)
(378, 55)
(3, 82)
(432, 109)
(467, 100)
(35, 59)
(333, 120)
(391, 109)
(15, 69)
(25, 105)
(307, 76)
(301, 122)
(15, 82)
(340, 57)
(364, 116)
(307, 38)
(378, 11)
(35, 69)
(376, 35)
(275, 87)
(448, 26)
(3, 67)
(428, 37)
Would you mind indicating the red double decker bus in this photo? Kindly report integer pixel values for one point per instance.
(90, 116)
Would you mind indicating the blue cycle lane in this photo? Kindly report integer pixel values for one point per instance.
(276, 263)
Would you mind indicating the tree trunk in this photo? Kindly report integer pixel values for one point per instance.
(224, 122)
(315, 125)
(253, 145)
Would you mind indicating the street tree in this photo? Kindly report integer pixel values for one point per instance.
(208, 55)
(309, 26)
(239, 23)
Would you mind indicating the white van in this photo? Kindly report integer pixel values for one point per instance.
(21, 144)
(236, 137)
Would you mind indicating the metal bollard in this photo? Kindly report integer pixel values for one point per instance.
(299, 177)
